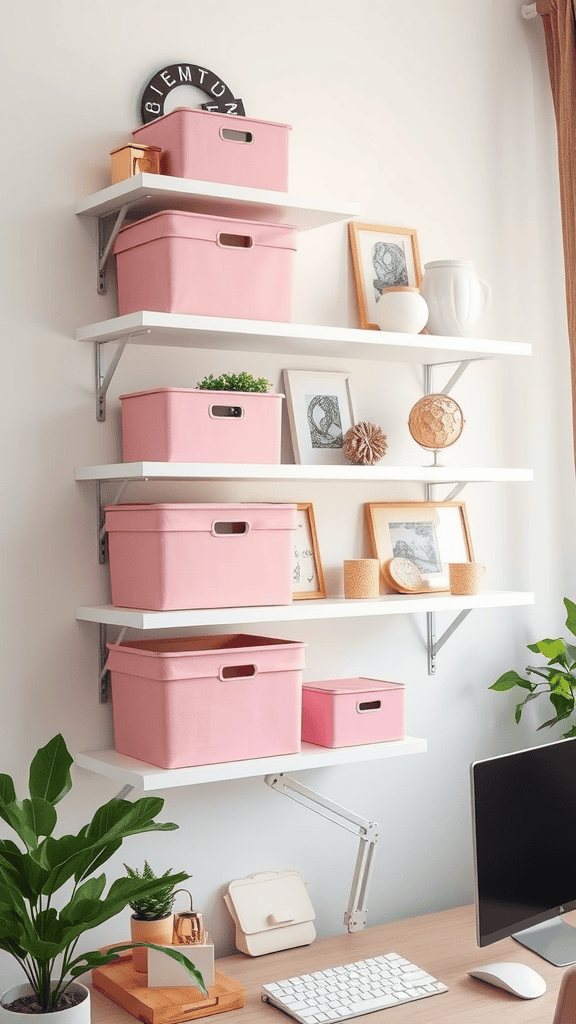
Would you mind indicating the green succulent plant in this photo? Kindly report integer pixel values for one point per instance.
(234, 382)
(42, 939)
(153, 907)
(557, 679)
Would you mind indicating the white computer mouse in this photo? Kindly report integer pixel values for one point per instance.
(519, 979)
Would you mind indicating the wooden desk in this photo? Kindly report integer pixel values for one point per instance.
(443, 943)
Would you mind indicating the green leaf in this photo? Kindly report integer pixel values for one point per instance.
(120, 818)
(549, 648)
(507, 681)
(14, 816)
(571, 619)
(7, 791)
(40, 816)
(50, 777)
(564, 705)
(571, 732)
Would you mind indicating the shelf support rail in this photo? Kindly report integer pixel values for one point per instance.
(435, 645)
(107, 233)
(103, 673)
(103, 379)
(102, 545)
(356, 913)
(428, 367)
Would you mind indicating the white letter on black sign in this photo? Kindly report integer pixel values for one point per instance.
(214, 87)
(153, 108)
(166, 75)
(185, 74)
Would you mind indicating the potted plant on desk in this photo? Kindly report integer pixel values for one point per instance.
(41, 939)
(152, 920)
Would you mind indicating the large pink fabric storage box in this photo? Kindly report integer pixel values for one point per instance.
(179, 262)
(210, 146)
(347, 712)
(200, 700)
(165, 556)
(194, 425)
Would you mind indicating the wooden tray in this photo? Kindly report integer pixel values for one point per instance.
(127, 987)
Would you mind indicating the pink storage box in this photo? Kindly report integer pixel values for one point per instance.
(200, 556)
(347, 712)
(210, 146)
(200, 700)
(179, 262)
(194, 425)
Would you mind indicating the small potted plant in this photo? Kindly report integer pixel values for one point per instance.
(42, 939)
(231, 418)
(557, 678)
(152, 920)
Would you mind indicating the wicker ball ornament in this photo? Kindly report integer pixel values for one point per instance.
(365, 444)
(436, 421)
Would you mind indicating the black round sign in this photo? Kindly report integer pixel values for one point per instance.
(220, 97)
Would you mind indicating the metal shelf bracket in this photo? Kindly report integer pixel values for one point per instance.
(356, 913)
(103, 672)
(109, 225)
(102, 535)
(435, 645)
(428, 367)
(103, 378)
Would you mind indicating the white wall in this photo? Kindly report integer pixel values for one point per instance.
(434, 115)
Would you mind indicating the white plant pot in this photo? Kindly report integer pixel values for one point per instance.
(402, 310)
(455, 295)
(79, 1014)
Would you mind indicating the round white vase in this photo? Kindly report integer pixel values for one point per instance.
(401, 309)
(455, 295)
(79, 1014)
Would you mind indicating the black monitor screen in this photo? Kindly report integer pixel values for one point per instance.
(524, 818)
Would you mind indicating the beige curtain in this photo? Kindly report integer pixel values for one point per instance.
(558, 20)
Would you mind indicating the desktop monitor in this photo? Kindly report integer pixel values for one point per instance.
(524, 822)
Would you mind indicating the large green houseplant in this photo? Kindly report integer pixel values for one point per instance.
(557, 678)
(42, 939)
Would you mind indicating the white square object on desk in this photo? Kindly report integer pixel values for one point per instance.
(164, 972)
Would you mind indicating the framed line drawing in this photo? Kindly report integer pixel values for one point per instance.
(429, 533)
(382, 257)
(307, 573)
(320, 411)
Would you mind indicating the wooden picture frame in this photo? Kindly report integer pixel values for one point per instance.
(320, 411)
(429, 533)
(307, 572)
(395, 263)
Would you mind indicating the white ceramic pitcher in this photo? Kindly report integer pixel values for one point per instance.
(455, 295)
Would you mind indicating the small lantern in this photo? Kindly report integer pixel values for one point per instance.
(188, 925)
(134, 159)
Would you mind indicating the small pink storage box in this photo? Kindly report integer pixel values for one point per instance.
(210, 146)
(179, 262)
(200, 700)
(200, 556)
(347, 712)
(194, 425)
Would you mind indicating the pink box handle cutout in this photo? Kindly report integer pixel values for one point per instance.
(231, 412)
(228, 528)
(226, 239)
(365, 706)
(233, 135)
(237, 672)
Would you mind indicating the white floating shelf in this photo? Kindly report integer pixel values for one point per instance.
(153, 192)
(240, 471)
(326, 608)
(215, 332)
(130, 772)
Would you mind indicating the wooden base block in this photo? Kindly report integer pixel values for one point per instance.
(125, 986)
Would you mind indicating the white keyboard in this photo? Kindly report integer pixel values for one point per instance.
(339, 993)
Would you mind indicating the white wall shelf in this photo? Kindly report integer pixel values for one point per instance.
(148, 193)
(135, 471)
(326, 608)
(131, 772)
(225, 333)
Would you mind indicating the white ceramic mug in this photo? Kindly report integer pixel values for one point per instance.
(455, 295)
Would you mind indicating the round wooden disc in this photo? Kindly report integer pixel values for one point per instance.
(403, 575)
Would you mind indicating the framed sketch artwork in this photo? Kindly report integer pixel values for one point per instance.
(429, 533)
(382, 258)
(307, 574)
(320, 411)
